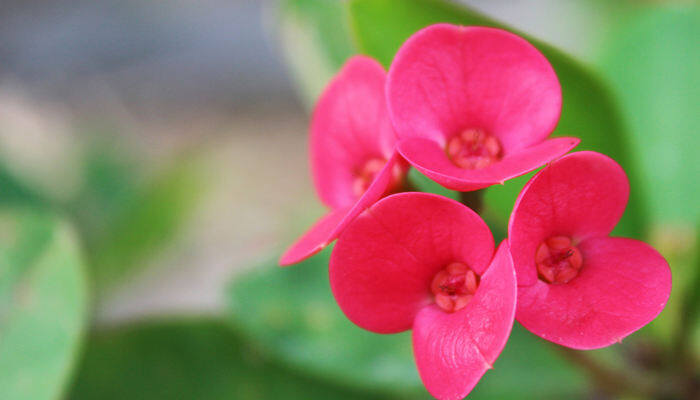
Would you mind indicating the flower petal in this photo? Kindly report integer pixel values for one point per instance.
(350, 126)
(581, 195)
(447, 78)
(622, 286)
(330, 226)
(315, 239)
(429, 158)
(384, 261)
(453, 351)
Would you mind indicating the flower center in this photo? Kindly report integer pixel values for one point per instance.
(366, 174)
(558, 260)
(454, 286)
(473, 149)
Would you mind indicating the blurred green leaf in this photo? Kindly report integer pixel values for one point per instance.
(43, 304)
(148, 220)
(196, 359)
(316, 40)
(422, 183)
(291, 313)
(654, 63)
(530, 368)
(111, 176)
(16, 191)
(589, 111)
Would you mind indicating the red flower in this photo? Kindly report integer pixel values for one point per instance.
(577, 286)
(473, 106)
(422, 261)
(353, 155)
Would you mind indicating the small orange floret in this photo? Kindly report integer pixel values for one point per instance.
(454, 286)
(473, 149)
(558, 261)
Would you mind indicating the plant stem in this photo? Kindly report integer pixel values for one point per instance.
(473, 200)
(681, 357)
(609, 380)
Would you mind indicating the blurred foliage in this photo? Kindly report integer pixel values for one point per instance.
(124, 213)
(316, 40)
(189, 359)
(14, 191)
(422, 183)
(143, 219)
(654, 62)
(43, 304)
(291, 313)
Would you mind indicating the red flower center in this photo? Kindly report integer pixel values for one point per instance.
(454, 286)
(558, 260)
(366, 174)
(473, 149)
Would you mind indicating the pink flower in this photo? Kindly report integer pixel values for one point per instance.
(473, 106)
(577, 286)
(353, 155)
(424, 262)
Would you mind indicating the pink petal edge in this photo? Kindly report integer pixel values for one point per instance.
(429, 157)
(315, 239)
(623, 285)
(332, 224)
(580, 195)
(384, 261)
(453, 351)
(350, 125)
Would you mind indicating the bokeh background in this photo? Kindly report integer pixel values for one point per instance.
(153, 166)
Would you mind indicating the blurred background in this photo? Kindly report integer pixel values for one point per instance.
(153, 167)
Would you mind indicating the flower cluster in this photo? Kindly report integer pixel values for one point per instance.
(470, 107)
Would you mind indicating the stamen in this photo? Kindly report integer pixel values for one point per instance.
(473, 149)
(558, 260)
(454, 286)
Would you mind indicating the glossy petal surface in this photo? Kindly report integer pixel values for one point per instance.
(581, 195)
(384, 261)
(350, 126)
(454, 350)
(430, 158)
(448, 78)
(623, 285)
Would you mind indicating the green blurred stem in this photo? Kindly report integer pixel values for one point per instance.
(680, 356)
(408, 186)
(473, 200)
(611, 381)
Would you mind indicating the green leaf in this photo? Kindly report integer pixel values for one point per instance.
(654, 63)
(316, 40)
(589, 110)
(189, 359)
(530, 368)
(43, 304)
(16, 191)
(291, 314)
(147, 221)
(422, 183)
